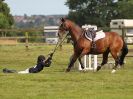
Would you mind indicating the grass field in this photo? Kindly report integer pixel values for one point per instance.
(54, 83)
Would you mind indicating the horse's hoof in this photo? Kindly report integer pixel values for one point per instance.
(68, 70)
(84, 70)
(98, 68)
(119, 66)
(113, 71)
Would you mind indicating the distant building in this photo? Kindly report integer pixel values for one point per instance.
(51, 34)
(18, 18)
(117, 25)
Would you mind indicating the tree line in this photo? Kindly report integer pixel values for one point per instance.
(99, 12)
(6, 19)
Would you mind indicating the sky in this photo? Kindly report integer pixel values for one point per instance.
(37, 7)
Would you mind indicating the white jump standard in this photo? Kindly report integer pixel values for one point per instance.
(90, 63)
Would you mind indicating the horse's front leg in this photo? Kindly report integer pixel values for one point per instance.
(72, 61)
(104, 60)
(81, 63)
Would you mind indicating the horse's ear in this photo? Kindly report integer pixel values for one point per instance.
(62, 19)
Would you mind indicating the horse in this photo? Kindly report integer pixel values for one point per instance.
(111, 43)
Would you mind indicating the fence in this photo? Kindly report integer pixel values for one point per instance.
(24, 37)
(26, 34)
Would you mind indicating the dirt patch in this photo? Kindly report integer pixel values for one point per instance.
(8, 41)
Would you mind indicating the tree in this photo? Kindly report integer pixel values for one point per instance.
(98, 12)
(6, 19)
(125, 9)
(3, 21)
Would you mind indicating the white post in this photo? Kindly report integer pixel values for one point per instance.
(80, 67)
(90, 67)
(95, 62)
(85, 63)
(90, 63)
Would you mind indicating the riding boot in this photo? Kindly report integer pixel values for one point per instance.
(5, 70)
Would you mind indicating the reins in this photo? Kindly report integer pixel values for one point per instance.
(57, 45)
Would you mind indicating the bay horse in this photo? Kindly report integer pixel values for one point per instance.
(112, 43)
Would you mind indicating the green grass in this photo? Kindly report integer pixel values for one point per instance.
(54, 83)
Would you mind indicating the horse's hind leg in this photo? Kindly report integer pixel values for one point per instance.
(124, 52)
(116, 58)
(105, 59)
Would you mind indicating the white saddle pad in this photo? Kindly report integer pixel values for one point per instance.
(99, 35)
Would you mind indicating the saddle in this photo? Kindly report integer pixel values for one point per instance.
(92, 34)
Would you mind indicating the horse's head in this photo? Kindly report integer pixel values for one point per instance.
(64, 26)
(67, 26)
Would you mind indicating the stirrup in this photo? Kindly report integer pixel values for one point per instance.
(93, 45)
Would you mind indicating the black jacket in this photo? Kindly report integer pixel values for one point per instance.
(41, 63)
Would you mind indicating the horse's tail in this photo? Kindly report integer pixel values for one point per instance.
(124, 52)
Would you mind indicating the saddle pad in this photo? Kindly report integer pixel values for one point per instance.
(99, 35)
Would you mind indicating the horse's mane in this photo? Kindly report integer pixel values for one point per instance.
(77, 27)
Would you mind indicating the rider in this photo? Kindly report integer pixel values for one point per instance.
(41, 63)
